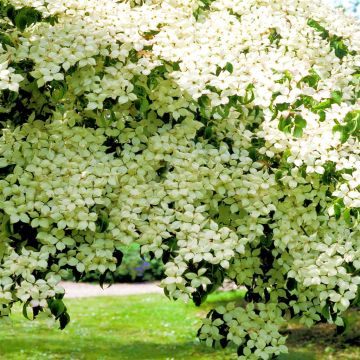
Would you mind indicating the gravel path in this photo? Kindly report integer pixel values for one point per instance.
(78, 290)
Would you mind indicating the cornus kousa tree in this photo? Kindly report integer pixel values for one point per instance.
(222, 136)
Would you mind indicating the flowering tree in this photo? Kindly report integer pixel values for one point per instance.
(222, 136)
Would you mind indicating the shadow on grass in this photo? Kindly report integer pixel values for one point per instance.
(139, 328)
(297, 355)
(137, 350)
(101, 349)
(324, 335)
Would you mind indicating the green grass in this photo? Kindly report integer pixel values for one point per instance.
(145, 328)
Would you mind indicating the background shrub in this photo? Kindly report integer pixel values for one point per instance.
(134, 268)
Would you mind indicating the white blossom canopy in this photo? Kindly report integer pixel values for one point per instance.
(222, 136)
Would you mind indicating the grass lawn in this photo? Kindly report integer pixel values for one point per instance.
(150, 327)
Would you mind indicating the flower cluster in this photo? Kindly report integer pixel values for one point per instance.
(255, 328)
(221, 136)
(8, 79)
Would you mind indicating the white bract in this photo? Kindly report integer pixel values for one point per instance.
(222, 136)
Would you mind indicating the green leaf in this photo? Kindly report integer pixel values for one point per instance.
(315, 25)
(163, 169)
(118, 255)
(102, 221)
(338, 207)
(224, 212)
(229, 67)
(152, 82)
(21, 21)
(278, 175)
(298, 131)
(204, 101)
(274, 37)
(57, 307)
(325, 312)
(167, 293)
(58, 90)
(11, 13)
(336, 42)
(282, 106)
(300, 122)
(64, 319)
(176, 66)
(144, 105)
(291, 284)
(338, 45)
(7, 226)
(59, 296)
(356, 301)
(336, 97)
(341, 329)
(344, 136)
(5, 41)
(285, 124)
(322, 115)
(347, 216)
(52, 19)
(312, 80)
(208, 132)
(218, 70)
(351, 126)
(24, 309)
(206, 4)
(249, 96)
(323, 105)
(306, 100)
(102, 278)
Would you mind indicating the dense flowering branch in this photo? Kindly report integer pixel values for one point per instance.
(222, 136)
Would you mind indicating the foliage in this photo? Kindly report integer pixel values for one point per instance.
(220, 136)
